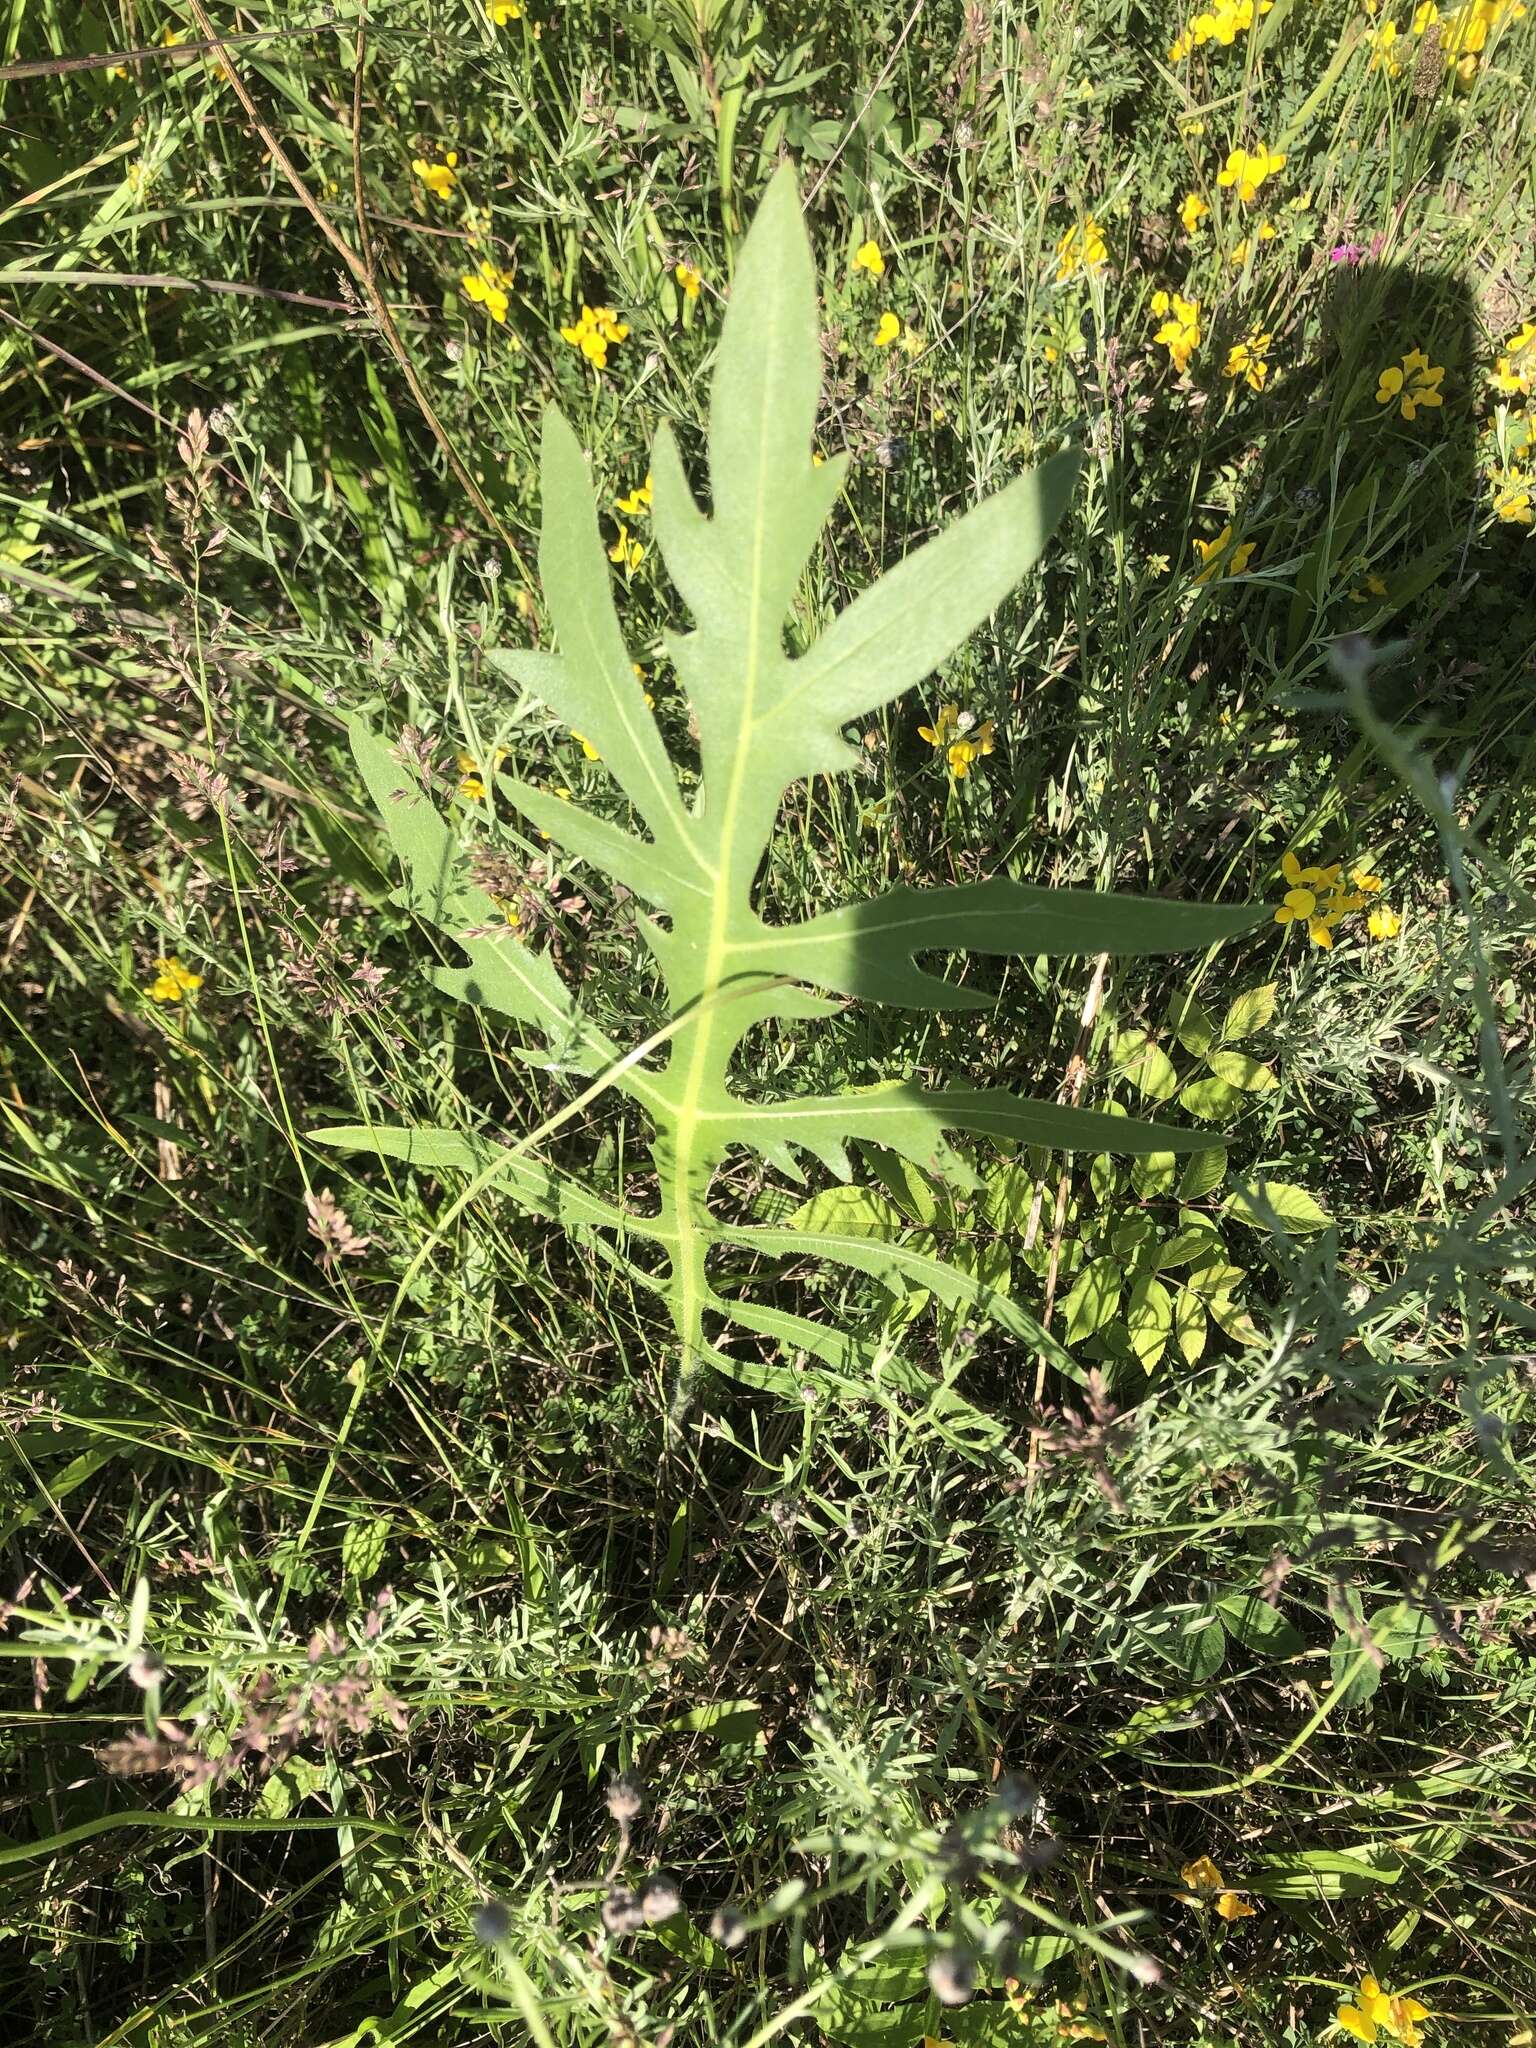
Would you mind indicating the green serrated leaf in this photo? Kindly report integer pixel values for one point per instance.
(1232, 1317)
(1157, 1173)
(363, 1544)
(1195, 1241)
(1146, 1065)
(1008, 1197)
(1193, 1025)
(1217, 1101)
(1205, 1172)
(1249, 1012)
(1149, 1319)
(1292, 1208)
(1093, 1300)
(1239, 1071)
(1189, 1325)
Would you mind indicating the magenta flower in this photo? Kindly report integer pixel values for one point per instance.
(1347, 252)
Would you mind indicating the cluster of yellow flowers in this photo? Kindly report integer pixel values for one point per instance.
(1208, 1887)
(1320, 899)
(1247, 169)
(1377, 2011)
(1464, 33)
(869, 259)
(173, 983)
(472, 775)
(1467, 31)
(956, 735)
(1081, 248)
(1513, 371)
(487, 286)
(1413, 386)
(628, 553)
(439, 179)
(1250, 360)
(1512, 376)
(598, 330)
(1223, 23)
(1180, 331)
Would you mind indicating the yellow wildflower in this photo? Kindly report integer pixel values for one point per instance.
(1513, 372)
(1221, 23)
(1384, 56)
(1425, 15)
(1378, 2011)
(1247, 169)
(472, 775)
(1317, 898)
(1383, 922)
(1512, 498)
(1081, 248)
(1264, 232)
(1192, 212)
(1416, 384)
(487, 287)
(1207, 1886)
(1212, 553)
(629, 554)
(867, 257)
(173, 983)
(597, 330)
(955, 735)
(503, 11)
(439, 179)
(1180, 331)
(689, 277)
(1249, 360)
(587, 748)
(971, 747)
(888, 330)
(1466, 31)
(943, 729)
(638, 503)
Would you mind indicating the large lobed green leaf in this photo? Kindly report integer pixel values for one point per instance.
(766, 716)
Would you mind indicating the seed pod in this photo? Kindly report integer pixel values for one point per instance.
(660, 1897)
(952, 1977)
(621, 1912)
(491, 1922)
(625, 1798)
(728, 1927)
(1017, 1797)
